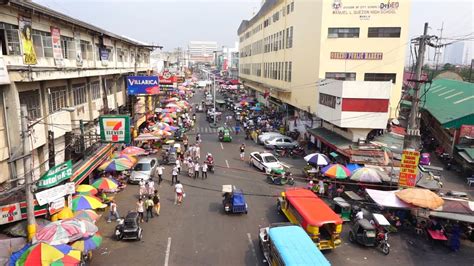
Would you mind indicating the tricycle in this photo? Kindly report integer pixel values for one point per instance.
(279, 176)
(364, 233)
(234, 200)
(129, 228)
(343, 208)
(224, 134)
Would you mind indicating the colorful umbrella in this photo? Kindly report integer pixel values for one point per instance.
(118, 164)
(336, 171)
(88, 215)
(132, 150)
(59, 232)
(161, 133)
(243, 103)
(167, 120)
(39, 254)
(420, 197)
(369, 175)
(172, 99)
(63, 214)
(172, 105)
(82, 202)
(88, 244)
(131, 158)
(352, 167)
(73, 258)
(105, 183)
(86, 190)
(317, 159)
(169, 128)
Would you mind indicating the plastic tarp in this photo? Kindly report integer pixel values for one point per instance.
(387, 199)
(238, 199)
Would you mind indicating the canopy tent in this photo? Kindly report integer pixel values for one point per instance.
(147, 136)
(387, 199)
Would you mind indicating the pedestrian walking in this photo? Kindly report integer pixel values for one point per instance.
(197, 151)
(113, 211)
(185, 143)
(149, 208)
(142, 188)
(159, 172)
(174, 175)
(179, 190)
(156, 202)
(178, 165)
(242, 151)
(151, 187)
(196, 170)
(204, 170)
(237, 129)
(198, 138)
(140, 209)
(321, 187)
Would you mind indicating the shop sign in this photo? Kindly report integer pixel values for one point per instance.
(10, 213)
(180, 79)
(104, 55)
(56, 175)
(364, 10)
(4, 77)
(143, 85)
(168, 78)
(57, 205)
(356, 56)
(52, 194)
(56, 43)
(409, 168)
(115, 128)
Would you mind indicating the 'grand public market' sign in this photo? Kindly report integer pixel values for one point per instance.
(56, 175)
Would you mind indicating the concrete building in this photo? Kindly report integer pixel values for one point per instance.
(454, 53)
(67, 73)
(202, 51)
(291, 49)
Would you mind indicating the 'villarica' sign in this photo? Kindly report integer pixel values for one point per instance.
(115, 128)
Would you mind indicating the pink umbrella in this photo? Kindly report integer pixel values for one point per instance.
(132, 150)
(59, 232)
(172, 105)
(167, 119)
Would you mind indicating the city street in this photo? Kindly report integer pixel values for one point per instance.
(200, 233)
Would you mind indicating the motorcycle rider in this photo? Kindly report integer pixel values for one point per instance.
(210, 162)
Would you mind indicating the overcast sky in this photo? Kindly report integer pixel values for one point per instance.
(173, 23)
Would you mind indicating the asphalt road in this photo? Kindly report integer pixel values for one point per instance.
(199, 233)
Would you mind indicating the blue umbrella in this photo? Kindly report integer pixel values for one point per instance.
(318, 159)
(256, 108)
(352, 167)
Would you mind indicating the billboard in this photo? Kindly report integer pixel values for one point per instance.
(409, 168)
(115, 128)
(143, 85)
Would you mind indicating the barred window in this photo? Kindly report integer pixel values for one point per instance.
(79, 94)
(381, 77)
(32, 101)
(57, 98)
(384, 32)
(69, 47)
(327, 100)
(343, 32)
(109, 86)
(341, 75)
(95, 90)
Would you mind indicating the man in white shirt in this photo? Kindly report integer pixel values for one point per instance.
(196, 170)
(178, 165)
(359, 215)
(159, 172)
(204, 170)
(174, 175)
(178, 188)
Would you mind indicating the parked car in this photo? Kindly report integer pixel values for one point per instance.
(264, 161)
(143, 169)
(284, 142)
(267, 135)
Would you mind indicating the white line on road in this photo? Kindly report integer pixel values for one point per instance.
(222, 146)
(168, 247)
(253, 247)
(227, 163)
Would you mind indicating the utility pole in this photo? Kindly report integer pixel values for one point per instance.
(30, 207)
(412, 138)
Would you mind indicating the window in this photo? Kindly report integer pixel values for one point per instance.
(286, 72)
(13, 42)
(292, 6)
(327, 100)
(289, 37)
(289, 71)
(384, 32)
(86, 50)
(32, 101)
(341, 75)
(343, 33)
(47, 45)
(57, 98)
(95, 90)
(69, 47)
(79, 94)
(381, 77)
(109, 86)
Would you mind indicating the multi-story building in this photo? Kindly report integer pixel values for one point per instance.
(67, 72)
(289, 47)
(202, 51)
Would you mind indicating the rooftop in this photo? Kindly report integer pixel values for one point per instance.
(267, 6)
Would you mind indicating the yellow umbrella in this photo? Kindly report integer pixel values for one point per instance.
(420, 197)
(86, 190)
(63, 214)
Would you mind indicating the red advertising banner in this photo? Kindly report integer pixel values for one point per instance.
(56, 43)
(409, 168)
(466, 131)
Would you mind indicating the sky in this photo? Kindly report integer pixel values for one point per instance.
(173, 23)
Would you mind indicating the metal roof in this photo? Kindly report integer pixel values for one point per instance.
(37, 8)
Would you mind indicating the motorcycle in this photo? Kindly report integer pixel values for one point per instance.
(382, 243)
(210, 165)
(297, 152)
(281, 151)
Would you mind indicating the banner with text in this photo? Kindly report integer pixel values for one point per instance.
(143, 85)
(409, 168)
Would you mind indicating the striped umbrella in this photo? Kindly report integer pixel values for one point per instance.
(105, 183)
(369, 175)
(336, 171)
(132, 150)
(88, 244)
(86, 190)
(117, 164)
(59, 232)
(169, 128)
(161, 133)
(88, 215)
(317, 159)
(82, 202)
(72, 258)
(40, 254)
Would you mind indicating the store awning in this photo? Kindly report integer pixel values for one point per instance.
(86, 167)
(147, 136)
(453, 216)
(331, 139)
(466, 156)
(387, 199)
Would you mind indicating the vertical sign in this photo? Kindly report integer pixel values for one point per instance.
(29, 54)
(56, 43)
(409, 168)
(104, 56)
(77, 42)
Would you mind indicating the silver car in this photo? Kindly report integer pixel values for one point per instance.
(143, 170)
(268, 135)
(280, 142)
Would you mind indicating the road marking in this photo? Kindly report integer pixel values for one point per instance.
(253, 248)
(222, 146)
(227, 163)
(168, 247)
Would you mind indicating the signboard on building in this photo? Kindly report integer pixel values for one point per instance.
(115, 128)
(77, 42)
(363, 10)
(10, 213)
(57, 205)
(52, 194)
(104, 56)
(409, 168)
(466, 131)
(56, 43)
(356, 56)
(143, 85)
(168, 78)
(4, 77)
(27, 46)
(56, 175)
